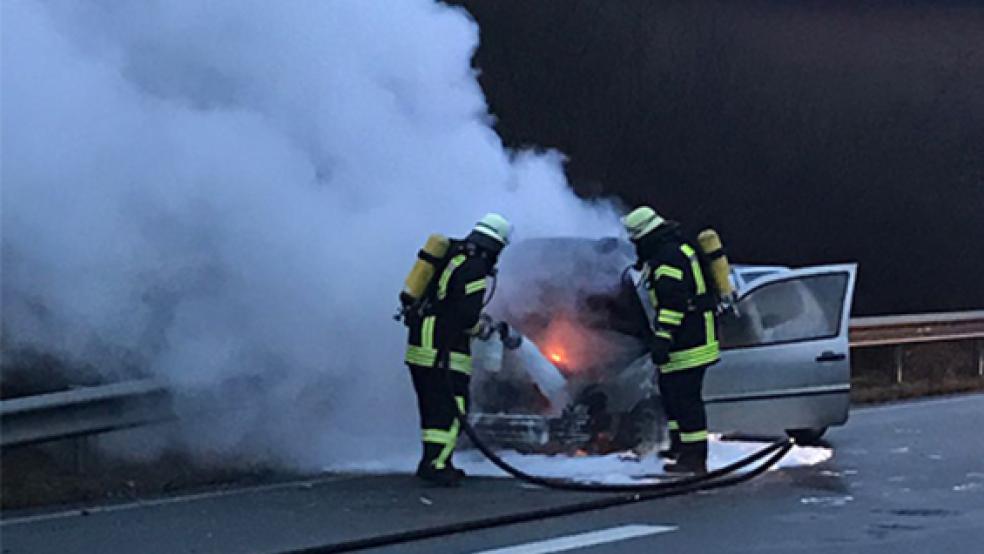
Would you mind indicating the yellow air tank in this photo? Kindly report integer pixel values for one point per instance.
(424, 268)
(710, 245)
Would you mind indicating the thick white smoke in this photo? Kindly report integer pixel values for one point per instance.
(227, 194)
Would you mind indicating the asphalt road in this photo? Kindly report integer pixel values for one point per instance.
(904, 478)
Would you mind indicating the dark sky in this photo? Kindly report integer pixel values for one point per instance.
(806, 132)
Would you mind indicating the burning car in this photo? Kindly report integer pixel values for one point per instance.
(583, 379)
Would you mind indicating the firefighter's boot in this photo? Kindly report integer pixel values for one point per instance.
(457, 470)
(692, 459)
(444, 477)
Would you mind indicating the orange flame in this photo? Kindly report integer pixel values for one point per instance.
(561, 344)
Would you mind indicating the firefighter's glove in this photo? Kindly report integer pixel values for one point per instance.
(484, 328)
(510, 340)
(660, 352)
(503, 328)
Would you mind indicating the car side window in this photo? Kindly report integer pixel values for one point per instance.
(790, 310)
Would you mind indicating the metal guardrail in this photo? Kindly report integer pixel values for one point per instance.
(83, 411)
(92, 410)
(932, 318)
(913, 329)
(902, 332)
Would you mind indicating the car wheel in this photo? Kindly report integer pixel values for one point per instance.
(807, 437)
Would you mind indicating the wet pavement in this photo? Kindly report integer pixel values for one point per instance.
(906, 477)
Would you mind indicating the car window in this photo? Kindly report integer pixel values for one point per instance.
(790, 310)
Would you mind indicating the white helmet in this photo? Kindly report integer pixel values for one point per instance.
(495, 226)
(641, 221)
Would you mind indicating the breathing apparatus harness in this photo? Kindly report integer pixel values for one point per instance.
(419, 297)
(720, 296)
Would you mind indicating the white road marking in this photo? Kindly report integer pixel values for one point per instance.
(582, 540)
(78, 512)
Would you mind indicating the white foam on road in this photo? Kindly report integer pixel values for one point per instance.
(618, 468)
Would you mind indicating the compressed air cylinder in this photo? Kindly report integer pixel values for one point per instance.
(423, 269)
(710, 245)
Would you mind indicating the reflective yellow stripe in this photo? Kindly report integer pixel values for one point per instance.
(438, 436)
(670, 317)
(423, 356)
(442, 284)
(695, 268)
(692, 357)
(418, 355)
(668, 271)
(664, 334)
(673, 425)
(427, 332)
(475, 286)
(709, 333)
(652, 298)
(442, 458)
(460, 362)
(698, 277)
(695, 436)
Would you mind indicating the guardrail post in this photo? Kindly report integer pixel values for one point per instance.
(980, 357)
(899, 355)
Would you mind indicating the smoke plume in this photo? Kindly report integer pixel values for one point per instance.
(226, 195)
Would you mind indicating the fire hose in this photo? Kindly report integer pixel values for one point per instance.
(681, 485)
(628, 493)
(777, 451)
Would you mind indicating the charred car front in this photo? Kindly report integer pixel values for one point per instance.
(584, 379)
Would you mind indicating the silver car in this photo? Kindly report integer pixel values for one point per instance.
(784, 366)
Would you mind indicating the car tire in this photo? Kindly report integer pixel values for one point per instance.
(807, 437)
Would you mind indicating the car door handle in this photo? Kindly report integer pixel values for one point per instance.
(830, 356)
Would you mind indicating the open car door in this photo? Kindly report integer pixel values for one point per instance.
(785, 363)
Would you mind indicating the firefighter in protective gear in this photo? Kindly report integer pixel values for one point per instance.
(684, 335)
(438, 351)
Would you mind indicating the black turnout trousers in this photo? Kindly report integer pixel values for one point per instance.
(683, 403)
(440, 393)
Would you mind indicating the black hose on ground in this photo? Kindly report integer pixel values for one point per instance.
(579, 486)
(778, 450)
(715, 479)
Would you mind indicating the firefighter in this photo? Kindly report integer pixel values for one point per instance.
(438, 350)
(684, 338)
